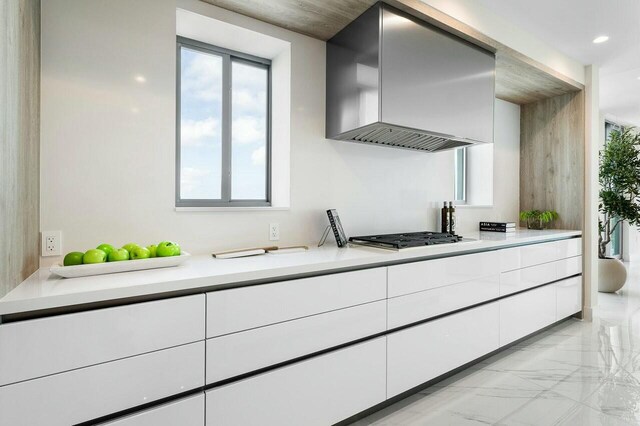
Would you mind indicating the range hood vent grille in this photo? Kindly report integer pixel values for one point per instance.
(399, 137)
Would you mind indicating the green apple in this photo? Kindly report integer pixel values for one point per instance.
(73, 258)
(118, 255)
(129, 247)
(140, 253)
(152, 249)
(168, 248)
(107, 248)
(94, 256)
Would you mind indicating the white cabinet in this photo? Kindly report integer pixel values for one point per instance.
(40, 347)
(536, 254)
(423, 352)
(569, 248)
(415, 307)
(526, 312)
(230, 311)
(522, 279)
(88, 393)
(568, 267)
(320, 391)
(183, 412)
(568, 297)
(246, 351)
(419, 276)
(529, 255)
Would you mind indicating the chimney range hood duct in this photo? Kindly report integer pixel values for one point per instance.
(394, 80)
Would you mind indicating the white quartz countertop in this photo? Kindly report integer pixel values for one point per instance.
(44, 290)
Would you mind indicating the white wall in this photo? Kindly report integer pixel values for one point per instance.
(108, 142)
(484, 20)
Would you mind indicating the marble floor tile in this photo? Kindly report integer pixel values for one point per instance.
(551, 408)
(574, 373)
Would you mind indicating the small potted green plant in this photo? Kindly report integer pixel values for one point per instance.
(619, 201)
(538, 219)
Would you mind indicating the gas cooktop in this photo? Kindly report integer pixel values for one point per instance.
(407, 240)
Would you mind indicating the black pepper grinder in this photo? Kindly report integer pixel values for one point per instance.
(452, 219)
(444, 219)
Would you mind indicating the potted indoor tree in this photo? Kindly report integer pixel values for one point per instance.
(619, 200)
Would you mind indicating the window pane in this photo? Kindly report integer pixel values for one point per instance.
(460, 175)
(248, 131)
(200, 125)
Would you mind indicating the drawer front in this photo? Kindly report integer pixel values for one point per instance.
(88, 393)
(426, 351)
(568, 297)
(526, 313)
(239, 353)
(420, 276)
(185, 412)
(319, 391)
(568, 267)
(569, 248)
(230, 311)
(529, 255)
(522, 279)
(426, 304)
(40, 347)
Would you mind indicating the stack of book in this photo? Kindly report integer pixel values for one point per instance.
(498, 226)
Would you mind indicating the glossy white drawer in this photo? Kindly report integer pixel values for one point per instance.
(419, 276)
(536, 254)
(569, 248)
(568, 297)
(320, 391)
(426, 351)
(522, 279)
(568, 267)
(184, 412)
(230, 311)
(88, 393)
(426, 304)
(36, 348)
(525, 313)
(529, 255)
(246, 351)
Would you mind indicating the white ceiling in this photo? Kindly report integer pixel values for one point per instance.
(571, 25)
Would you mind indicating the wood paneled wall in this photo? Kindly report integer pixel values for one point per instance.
(20, 138)
(552, 146)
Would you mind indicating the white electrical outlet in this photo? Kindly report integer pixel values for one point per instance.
(51, 243)
(274, 231)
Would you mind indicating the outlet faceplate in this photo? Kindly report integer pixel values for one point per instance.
(274, 231)
(51, 243)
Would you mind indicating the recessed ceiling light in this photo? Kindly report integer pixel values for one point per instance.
(600, 39)
(140, 78)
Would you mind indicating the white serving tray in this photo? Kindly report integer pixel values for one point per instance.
(114, 267)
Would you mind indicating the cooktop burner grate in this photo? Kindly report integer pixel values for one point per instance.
(406, 240)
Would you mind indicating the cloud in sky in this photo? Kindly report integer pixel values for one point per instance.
(248, 130)
(202, 76)
(258, 156)
(199, 132)
(195, 183)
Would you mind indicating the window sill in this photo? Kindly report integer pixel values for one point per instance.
(473, 206)
(230, 209)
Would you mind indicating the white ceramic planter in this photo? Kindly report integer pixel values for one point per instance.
(612, 274)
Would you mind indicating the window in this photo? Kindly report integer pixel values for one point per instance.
(615, 246)
(223, 127)
(460, 177)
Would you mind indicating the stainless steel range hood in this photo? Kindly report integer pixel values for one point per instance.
(397, 81)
